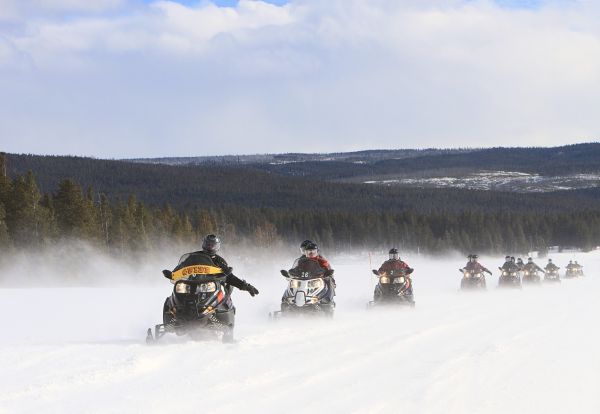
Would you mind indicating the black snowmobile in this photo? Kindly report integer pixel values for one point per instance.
(573, 272)
(472, 280)
(394, 287)
(552, 276)
(200, 305)
(509, 278)
(310, 290)
(531, 276)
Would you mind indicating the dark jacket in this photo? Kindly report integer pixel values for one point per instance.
(532, 267)
(199, 257)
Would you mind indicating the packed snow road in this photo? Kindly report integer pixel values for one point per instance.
(531, 351)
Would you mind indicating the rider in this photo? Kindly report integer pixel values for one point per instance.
(210, 246)
(551, 266)
(508, 265)
(531, 267)
(310, 251)
(473, 266)
(395, 264)
(571, 266)
(520, 264)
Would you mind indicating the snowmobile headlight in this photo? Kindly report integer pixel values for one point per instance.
(182, 288)
(384, 279)
(316, 284)
(207, 287)
(399, 280)
(504, 273)
(294, 284)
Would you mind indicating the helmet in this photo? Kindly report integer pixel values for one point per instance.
(303, 245)
(549, 260)
(311, 249)
(512, 258)
(474, 257)
(520, 260)
(394, 254)
(529, 259)
(211, 244)
(570, 261)
(507, 258)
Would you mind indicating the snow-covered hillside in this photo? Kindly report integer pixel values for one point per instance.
(82, 350)
(501, 181)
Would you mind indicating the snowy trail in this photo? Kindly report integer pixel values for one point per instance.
(535, 350)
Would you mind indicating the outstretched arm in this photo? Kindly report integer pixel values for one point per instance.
(241, 284)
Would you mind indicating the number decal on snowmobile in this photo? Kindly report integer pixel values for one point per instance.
(196, 270)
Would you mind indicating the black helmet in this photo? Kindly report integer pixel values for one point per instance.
(394, 255)
(474, 257)
(519, 260)
(512, 258)
(507, 258)
(304, 244)
(529, 259)
(211, 244)
(549, 260)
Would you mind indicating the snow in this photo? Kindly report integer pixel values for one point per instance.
(502, 180)
(81, 349)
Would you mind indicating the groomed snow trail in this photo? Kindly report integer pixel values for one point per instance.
(531, 351)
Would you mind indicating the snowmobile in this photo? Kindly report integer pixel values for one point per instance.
(310, 290)
(509, 278)
(531, 276)
(200, 305)
(552, 276)
(573, 272)
(394, 287)
(472, 280)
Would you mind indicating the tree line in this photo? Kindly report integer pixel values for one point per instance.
(31, 218)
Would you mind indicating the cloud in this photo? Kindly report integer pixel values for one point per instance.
(171, 79)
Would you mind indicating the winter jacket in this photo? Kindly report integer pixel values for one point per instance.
(532, 267)
(391, 266)
(199, 257)
(510, 266)
(476, 267)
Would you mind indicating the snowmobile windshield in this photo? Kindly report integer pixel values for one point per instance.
(307, 269)
(197, 266)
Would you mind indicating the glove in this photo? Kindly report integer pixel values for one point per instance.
(489, 272)
(251, 289)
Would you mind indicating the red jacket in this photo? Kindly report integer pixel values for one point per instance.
(323, 262)
(391, 265)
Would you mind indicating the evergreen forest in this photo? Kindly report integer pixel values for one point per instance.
(123, 207)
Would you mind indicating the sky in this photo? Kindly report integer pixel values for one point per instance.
(145, 78)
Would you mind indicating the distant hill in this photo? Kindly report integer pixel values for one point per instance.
(265, 185)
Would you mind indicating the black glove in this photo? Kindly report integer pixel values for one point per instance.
(251, 289)
(489, 272)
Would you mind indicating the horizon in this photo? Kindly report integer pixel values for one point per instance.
(300, 153)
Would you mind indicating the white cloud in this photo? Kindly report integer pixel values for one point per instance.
(309, 76)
